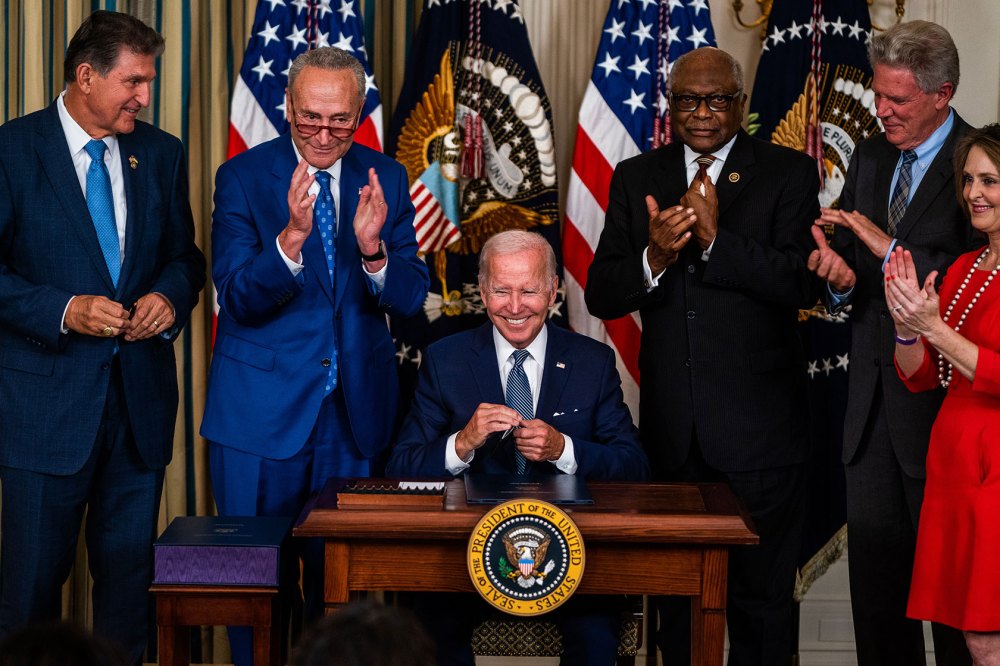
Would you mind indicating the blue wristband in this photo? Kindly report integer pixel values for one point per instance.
(907, 342)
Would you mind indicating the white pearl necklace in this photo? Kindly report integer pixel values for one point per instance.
(945, 369)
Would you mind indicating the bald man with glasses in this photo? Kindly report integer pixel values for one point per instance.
(707, 239)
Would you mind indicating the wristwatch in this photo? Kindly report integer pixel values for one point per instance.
(379, 253)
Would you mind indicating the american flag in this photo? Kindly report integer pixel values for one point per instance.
(282, 29)
(618, 119)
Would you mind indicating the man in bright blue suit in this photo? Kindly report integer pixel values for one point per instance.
(519, 396)
(99, 272)
(303, 381)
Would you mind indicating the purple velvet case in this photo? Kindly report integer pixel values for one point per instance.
(211, 550)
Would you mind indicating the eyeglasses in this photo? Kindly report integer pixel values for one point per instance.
(342, 127)
(715, 102)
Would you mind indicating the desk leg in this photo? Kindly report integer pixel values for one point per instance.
(708, 611)
(174, 646)
(336, 573)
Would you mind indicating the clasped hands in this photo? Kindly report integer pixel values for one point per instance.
(369, 217)
(671, 229)
(100, 316)
(830, 266)
(536, 440)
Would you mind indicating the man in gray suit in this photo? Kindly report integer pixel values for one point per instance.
(899, 191)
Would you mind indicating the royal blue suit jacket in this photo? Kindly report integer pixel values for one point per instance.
(53, 385)
(275, 330)
(580, 396)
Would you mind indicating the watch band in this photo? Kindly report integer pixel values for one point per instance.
(379, 254)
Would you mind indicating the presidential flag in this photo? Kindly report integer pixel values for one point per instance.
(813, 93)
(473, 128)
(283, 29)
(624, 113)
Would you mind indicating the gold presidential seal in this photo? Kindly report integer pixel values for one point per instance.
(526, 557)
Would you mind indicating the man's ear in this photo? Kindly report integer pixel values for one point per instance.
(85, 74)
(944, 95)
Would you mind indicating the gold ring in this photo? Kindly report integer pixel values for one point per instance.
(156, 324)
(380, 203)
(897, 308)
(107, 331)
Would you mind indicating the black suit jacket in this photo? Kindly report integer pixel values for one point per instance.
(720, 357)
(936, 230)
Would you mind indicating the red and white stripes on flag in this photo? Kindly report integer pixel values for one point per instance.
(624, 106)
(433, 228)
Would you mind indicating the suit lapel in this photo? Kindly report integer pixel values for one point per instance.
(939, 175)
(483, 366)
(135, 193)
(554, 375)
(53, 154)
(312, 250)
(736, 174)
(884, 169)
(353, 176)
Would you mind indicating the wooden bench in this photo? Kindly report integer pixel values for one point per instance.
(179, 607)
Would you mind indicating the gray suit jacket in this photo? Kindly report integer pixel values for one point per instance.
(935, 230)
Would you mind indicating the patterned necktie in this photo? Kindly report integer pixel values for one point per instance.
(102, 208)
(519, 397)
(901, 193)
(704, 162)
(324, 214)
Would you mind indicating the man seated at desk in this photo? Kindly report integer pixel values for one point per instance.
(475, 412)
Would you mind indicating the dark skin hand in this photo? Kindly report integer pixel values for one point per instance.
(669, 232)
(706, 210)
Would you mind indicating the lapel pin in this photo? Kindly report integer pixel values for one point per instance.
(133, 162)
(734, 177)
(560, 364)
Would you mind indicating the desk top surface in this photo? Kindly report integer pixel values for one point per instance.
(704, 513)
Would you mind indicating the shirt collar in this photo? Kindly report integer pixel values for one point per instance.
(333, 169)
(504, 349)
(720, 155)
(76, 137)
(928, 150)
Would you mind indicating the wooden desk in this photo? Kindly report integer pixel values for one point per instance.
(639, 538)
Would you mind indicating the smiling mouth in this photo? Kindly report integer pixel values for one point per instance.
(515, 322)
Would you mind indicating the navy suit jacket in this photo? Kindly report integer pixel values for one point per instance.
(53, 386)
(720, 357)
(580, 396)
(275, 330)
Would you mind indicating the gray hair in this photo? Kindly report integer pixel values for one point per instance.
(331, 58)
(512, 242)
(708, 51)
(923, 48)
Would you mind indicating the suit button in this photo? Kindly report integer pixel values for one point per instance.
(690, 268)
(687, 362)
(875, 362)
(325, 363)
(105, 366)
(690, 314)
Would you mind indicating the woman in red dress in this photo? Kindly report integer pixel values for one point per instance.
(956, 574)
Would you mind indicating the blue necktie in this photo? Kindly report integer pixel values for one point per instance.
(102, 208)
(519, 397)
(324, 215)
(901, 193)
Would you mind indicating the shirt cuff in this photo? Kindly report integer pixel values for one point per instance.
(836, 298)
(647, 274)
(294, 266)
(885, 259)
(707, 254)
(452, 462)
(566, 463)
(377, 278)
(62, 326)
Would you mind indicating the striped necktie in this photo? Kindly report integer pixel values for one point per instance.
(519, 397)
(901, 193)
(704, 162)
(100, 203)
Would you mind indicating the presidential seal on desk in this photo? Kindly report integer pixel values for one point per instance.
(526, 557)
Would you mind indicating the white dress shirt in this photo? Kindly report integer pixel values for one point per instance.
(533, 366)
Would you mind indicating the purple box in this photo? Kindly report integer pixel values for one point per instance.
(211, 550)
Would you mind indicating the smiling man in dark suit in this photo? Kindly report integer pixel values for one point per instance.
(900, 191)
(707, 239)
(98, 273)
(468, 418)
